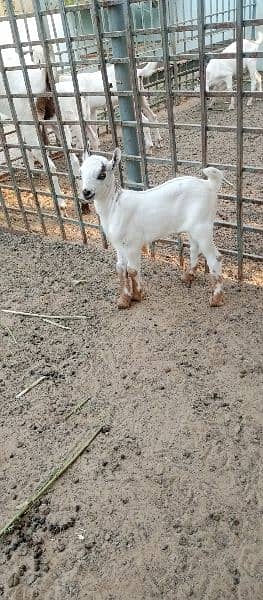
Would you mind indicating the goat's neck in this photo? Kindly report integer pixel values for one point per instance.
(106, 200)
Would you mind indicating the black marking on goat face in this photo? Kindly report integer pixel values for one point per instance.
(102, 173)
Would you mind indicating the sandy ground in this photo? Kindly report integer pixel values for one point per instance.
(168, 501)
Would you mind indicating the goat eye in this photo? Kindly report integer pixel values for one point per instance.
(101, 175)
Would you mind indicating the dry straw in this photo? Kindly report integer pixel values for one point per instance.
(46, 485)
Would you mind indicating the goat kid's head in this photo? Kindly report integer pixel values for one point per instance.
(96, 173)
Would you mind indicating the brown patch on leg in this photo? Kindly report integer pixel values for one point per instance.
(217, 299)
(137, 295)
(217, 296)
(124, 300)
(189, 276)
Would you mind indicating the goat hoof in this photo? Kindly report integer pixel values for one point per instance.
(217, 299)
(188, 278)
(137, 296)
(124, 302)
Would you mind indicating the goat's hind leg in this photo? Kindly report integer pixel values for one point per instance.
(189, 275)
(255, 79)
(210, 252)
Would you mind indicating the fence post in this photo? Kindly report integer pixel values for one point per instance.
(120, 50)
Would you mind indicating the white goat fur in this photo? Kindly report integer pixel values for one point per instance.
(131, 219)
(92, 81)
(221, 71)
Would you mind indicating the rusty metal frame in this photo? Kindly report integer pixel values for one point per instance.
(199, 30)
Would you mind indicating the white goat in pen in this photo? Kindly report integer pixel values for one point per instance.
(91, 82)
(37, 79)
(221, 71)
(131, 219)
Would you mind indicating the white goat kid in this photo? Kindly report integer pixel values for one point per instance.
(221, 71)
(131, 219)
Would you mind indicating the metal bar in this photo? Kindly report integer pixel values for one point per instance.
(96, 20)
(171, 242)
(4, 208)
(146, 92)
(19, 135)
(11, 168)
(67, 220)
(136, 96)
(13, 178)
(72, 70)
(105, 4)
(201, 47)
(239, 135)
(119, 50)
(157, 161)
(59, 119)
(168, 84)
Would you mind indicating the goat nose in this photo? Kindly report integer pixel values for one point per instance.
(86, 194)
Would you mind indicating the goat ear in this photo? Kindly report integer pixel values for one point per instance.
(116, 157)
(86, 152)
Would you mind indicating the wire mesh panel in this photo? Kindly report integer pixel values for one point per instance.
(67, 77)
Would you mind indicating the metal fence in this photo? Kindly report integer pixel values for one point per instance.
(75, 37)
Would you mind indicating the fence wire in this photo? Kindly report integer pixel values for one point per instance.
(79, 38)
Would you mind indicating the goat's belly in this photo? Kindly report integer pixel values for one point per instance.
(157, 232)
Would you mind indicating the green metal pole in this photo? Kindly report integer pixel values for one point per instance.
(120, 50)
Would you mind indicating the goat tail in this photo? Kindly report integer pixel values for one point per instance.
(214, 176)
(259, 38)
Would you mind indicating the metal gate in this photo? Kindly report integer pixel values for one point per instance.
(77, 37)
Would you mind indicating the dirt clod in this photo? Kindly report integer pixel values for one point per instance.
(13, 580)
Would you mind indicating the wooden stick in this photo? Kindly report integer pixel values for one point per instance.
(31, 386)
(76, 408)
(55, 323)
(10, 332)
(42, 316)
(44, 487)
(78, 281)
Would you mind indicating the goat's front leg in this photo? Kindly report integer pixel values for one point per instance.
(134, 272)
(125, 297)
(147, 136)
(229, 88)
(189, 275)
(148, 112)
(91, 130)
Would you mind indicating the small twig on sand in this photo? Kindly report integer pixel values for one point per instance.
(78, 281)
(42, 316)
(76, 408)
(55, 323)
(44, 487)
(31, 386)
(10, 332)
